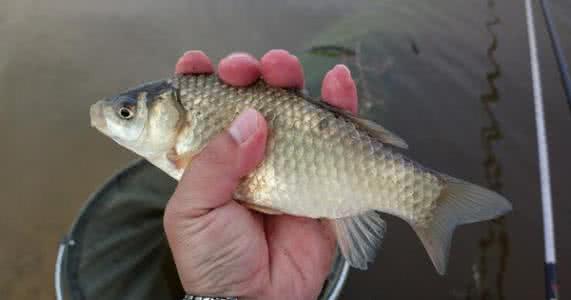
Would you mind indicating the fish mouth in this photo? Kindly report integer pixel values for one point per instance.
(96, 114)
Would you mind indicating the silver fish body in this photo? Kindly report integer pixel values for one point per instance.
(320, 162)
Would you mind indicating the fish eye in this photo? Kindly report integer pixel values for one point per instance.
(126, 112)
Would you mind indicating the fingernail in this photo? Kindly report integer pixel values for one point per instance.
(278, 51)
(343, 67)
(244, 126)
(190, 52)
(238, 54)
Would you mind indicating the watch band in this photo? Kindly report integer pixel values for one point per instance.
(191, 297)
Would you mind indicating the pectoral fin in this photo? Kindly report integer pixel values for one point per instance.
(180, 161)
(262, 209)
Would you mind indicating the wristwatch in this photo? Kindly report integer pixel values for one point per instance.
(191, 297)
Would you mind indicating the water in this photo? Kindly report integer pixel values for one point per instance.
(451, 77)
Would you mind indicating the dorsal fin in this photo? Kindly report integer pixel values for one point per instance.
(380, 132)
(374, 129)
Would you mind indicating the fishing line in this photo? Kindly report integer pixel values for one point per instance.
(559, 56)
(547, 205)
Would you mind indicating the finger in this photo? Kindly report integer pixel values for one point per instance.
(281, 69)
(213, 174)
(194, 62)
(239, 69)
(338, 89)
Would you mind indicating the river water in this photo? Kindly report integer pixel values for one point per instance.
(454, 81)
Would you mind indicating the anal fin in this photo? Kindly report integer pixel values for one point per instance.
(359, 237)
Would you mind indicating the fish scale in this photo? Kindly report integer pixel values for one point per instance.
(302, 153)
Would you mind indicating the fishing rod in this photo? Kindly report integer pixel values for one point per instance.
(551, 292)
(557, 51)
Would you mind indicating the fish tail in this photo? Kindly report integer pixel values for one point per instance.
(459, 203)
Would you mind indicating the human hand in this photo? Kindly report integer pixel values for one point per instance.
(220, 247)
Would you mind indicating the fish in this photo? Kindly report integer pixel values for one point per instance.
(321, 162)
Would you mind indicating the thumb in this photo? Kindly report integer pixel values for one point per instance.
(212, 176)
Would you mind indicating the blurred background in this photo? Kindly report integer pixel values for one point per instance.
(451, 77)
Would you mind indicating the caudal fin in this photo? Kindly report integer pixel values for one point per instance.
(460, 203)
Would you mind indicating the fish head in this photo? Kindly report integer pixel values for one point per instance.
(144, 119)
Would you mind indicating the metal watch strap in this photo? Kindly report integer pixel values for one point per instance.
(190, 297)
